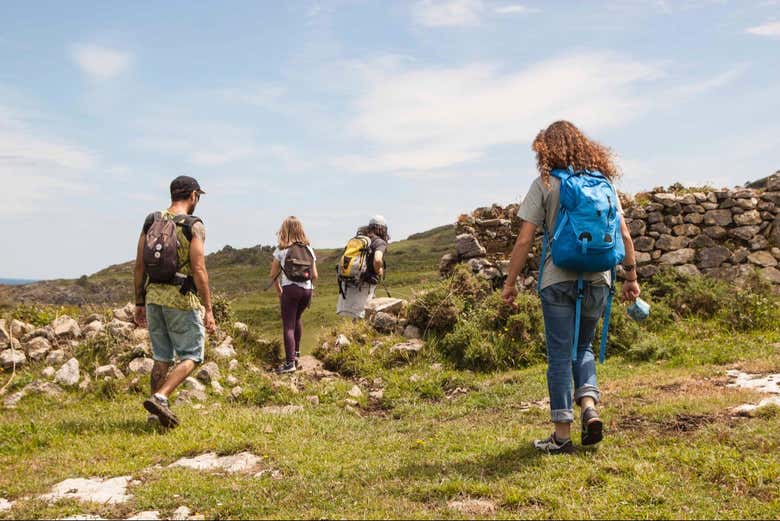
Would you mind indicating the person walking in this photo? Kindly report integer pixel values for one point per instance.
(572, 301)
(171, 282)
(293, 274)
(362, 268)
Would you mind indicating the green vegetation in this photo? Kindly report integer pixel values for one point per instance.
(453, 422)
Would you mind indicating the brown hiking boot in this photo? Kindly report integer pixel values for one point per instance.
(160, 407)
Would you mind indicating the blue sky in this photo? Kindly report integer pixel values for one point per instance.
(336, 110)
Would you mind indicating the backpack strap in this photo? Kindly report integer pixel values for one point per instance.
(187, 222)
(605, 325)
(577, 316)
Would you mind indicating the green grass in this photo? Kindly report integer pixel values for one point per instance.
(671, 450)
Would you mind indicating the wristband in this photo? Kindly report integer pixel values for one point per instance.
(629, 267)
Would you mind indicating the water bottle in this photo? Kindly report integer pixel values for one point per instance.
(639, 310)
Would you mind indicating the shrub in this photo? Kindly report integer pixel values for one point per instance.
(623, 332)
(690, 295)
(751, 309)
(35, 314)
(650, 348)
(223, 310)
(259, 348)
(496, 336)
(437, 309)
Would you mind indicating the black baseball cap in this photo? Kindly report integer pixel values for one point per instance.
(185, 185)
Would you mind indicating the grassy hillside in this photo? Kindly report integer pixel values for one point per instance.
(242, 274)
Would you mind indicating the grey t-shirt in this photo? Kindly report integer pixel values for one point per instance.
(540, 207)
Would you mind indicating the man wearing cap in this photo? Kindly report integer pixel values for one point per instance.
(171, 309)
(352, 303)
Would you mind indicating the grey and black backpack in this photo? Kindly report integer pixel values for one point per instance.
(161, 247)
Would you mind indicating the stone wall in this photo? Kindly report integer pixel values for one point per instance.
(726, 233)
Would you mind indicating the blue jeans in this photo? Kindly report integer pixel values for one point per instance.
(175, 333)
(558, 308)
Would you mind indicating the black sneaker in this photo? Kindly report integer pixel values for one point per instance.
(552, 446)
(286, 368)
(160, 407)
(592, 427)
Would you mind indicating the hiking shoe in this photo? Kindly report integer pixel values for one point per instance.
(287, 367)
(592, 427)
(160, 407)
(552, 446)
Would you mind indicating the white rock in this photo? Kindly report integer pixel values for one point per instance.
(208, 372)
(56, 357)
(120, 328)
(355, 392)
(5, 504)
(68, 374)
(109, 372)
(193, 385)
(385, 304)
(48, 372)
(242, 462)
(126, 313)
(240, 327)
(351, 403)
(20, 329)
(181, 513)
(412, 332)
(313, 399)
(151, 515)
(217, 388)
(93, 329)
(11, 401)
(233, 365)
(225, 349)
(66, 327)
(236, 392)
(342, 341)
(764, 384)
(190, 395)
(140, 335)
(5, 336)
(284, 410)
(231, 380)
(140, 365)
(96, 490)
(377, 395)
(473, 507)
(38, 348)
(12, 357)
(412, 346)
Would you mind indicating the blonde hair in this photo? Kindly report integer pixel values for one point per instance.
(562, 145)
(291, 232)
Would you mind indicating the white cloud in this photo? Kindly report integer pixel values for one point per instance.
(769, 30)
(258, 95)
(447, 13)
(430, 118)
(100, 63)
(515, 9)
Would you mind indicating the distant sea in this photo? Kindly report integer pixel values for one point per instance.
(16, 282)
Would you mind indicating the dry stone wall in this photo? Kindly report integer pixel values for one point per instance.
(726, 233)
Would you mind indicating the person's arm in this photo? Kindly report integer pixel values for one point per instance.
(201, 276)
(139, 283)
(525, 240)
(631, 289)
(275, 276)
(314, 274)
(379, 263)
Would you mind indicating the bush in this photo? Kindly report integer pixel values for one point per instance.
(34, 314)
(223, 310)
(690, 295)
(259, 348)
(623, 332)
(496, 336)
(437, 310)
(650, 348)
(752, 307)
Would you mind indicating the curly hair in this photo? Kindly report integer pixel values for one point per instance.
(562, 145)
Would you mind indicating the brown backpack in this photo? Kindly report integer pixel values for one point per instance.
(161, 247)
(298, 263)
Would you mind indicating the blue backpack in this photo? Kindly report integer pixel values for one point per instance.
(587, 236)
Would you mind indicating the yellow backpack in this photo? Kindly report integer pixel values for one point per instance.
(353, 263)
